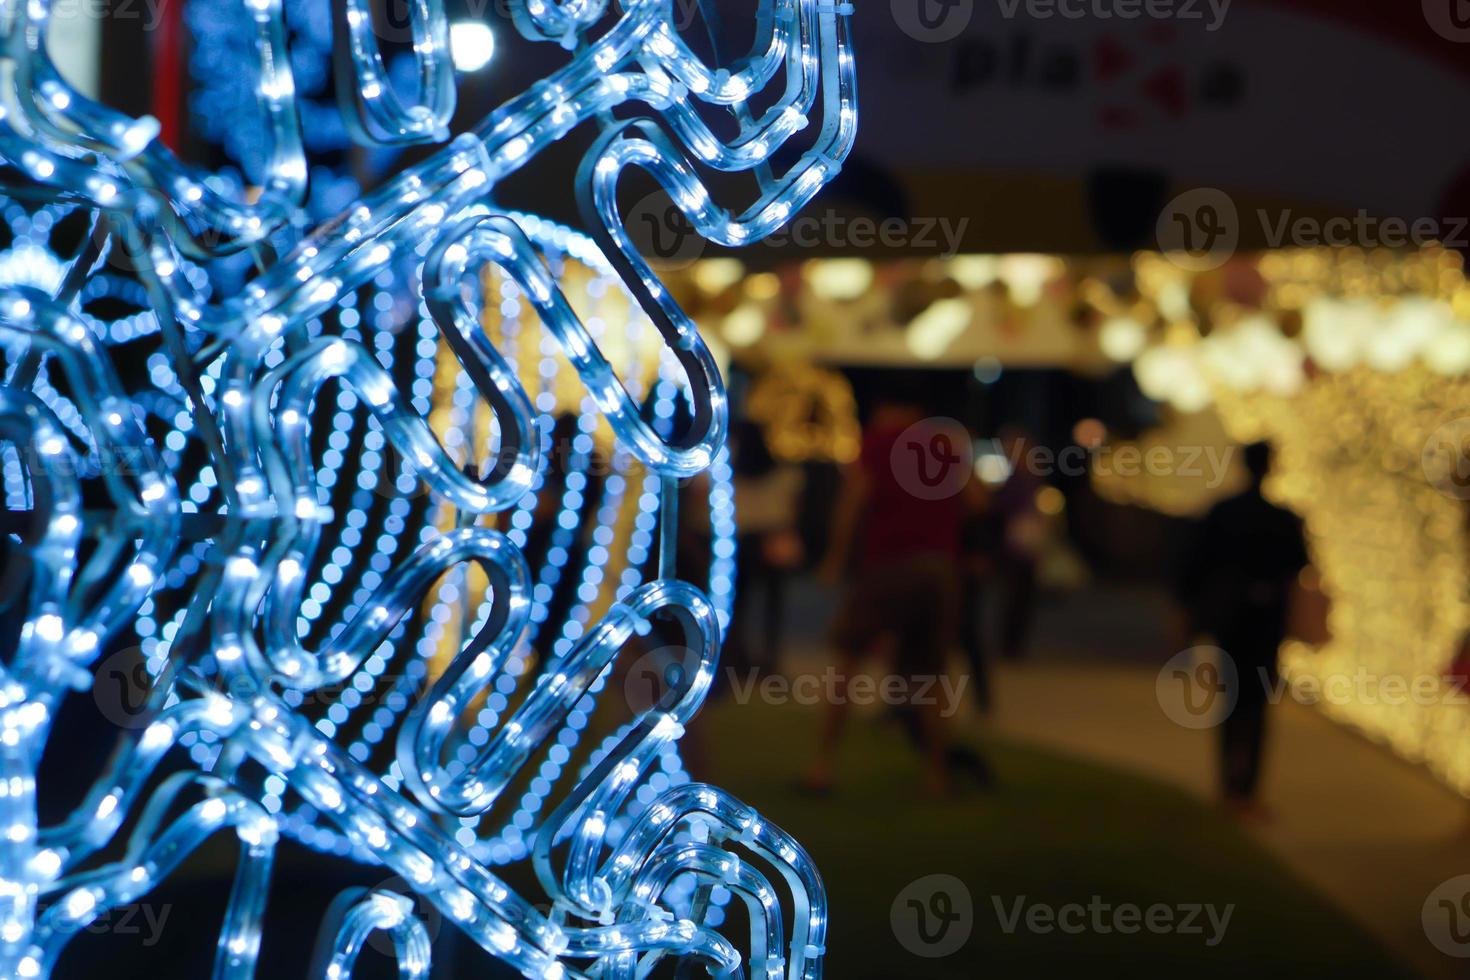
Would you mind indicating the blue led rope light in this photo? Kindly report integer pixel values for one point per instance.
(511, 845)
(251, 366)
(548, 237)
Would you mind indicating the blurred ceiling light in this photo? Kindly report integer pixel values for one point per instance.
(1336, 332)
(1224, 361)
(1182, 334)
(1122, 338)
(1173, 375)
(1282, 363)
(1449, 352)
(1089, 433)
(1049, 501)
(744, 325)
(991, 466)
(1173, 300)
(988, 370)
(1026, 276)
(763, 285)
(1191, 395)
(1410, 326)
(840, 279)
(974, 271)
(1253, 355)
(717, 275)
(931, 332)
(472, 43)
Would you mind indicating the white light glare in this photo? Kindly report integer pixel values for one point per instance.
(472, 44)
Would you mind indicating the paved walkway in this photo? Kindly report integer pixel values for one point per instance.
(1370, 832)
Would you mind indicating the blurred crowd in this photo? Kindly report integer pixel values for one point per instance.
(930, 569)
(910, 570)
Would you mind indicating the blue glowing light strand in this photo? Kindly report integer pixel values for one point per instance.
(369, 103)
(161, 213)
(511, 843)
(357, 914)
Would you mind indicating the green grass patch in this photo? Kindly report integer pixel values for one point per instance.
(1055, 831)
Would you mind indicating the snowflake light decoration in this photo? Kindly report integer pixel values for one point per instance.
(219, 479)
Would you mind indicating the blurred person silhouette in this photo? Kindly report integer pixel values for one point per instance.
(897, 552)
(768, 547)
(1236, 585)
(1023, 532)
(981, 537)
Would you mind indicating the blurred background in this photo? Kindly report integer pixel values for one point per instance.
(1097, 586)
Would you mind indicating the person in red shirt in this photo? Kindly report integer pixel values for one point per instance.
(896, 540)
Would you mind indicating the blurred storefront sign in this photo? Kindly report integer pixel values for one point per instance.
(1070, 125)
